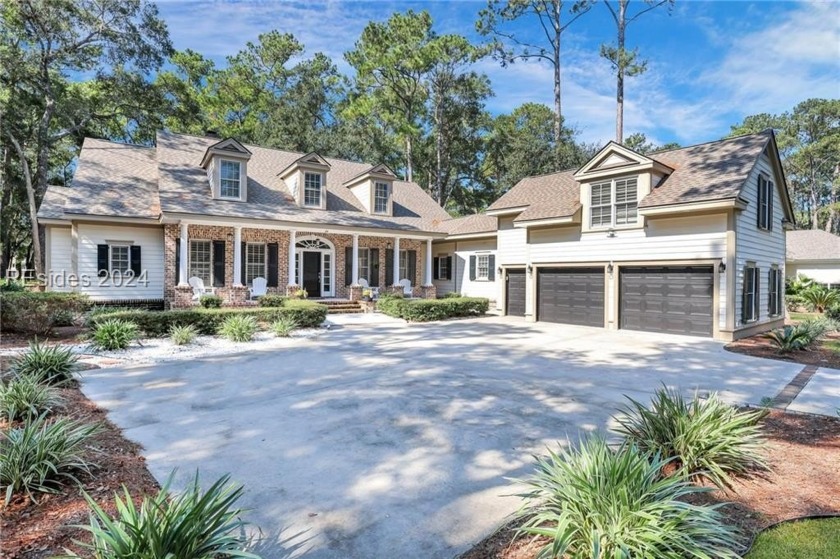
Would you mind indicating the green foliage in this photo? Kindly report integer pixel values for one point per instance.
(284, 326)
(114, 333)
(425, 310)
(299, 294)
(452, 295)
(34, 312)
(210, 301)
(9, 285)
(47, 364)
(41, 455)
(817, 328)
(239, 328)
(271, 300)
(595, 502)
(817, 538)
(183, 334)
(98, 311)
(706, 439)
(833, 313)
(798, 285)
(193, 524)
(790, 338)
(821, 298)
(23, 397)
(307, 314)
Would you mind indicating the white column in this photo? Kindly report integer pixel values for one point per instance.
(237, 257)
(292, 251)
(355, 263)
(396, 261)
(185, 254)
(428, 262)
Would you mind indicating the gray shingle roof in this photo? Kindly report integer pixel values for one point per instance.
(471, 225)
(812, 245)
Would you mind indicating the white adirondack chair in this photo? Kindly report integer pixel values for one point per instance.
(259, 287)
(406, 284)
(198, 288)
(364, 283)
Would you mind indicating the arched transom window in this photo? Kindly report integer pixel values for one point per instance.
(313, 244)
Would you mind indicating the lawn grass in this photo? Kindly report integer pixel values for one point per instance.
(806, 539)
(800, 316)
(833, 345)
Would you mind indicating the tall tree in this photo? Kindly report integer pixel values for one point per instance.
(547, 21)
(638, 142)
(625, 63)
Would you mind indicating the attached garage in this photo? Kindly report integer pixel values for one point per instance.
(668, 299)
(571, 296)
(515, 293)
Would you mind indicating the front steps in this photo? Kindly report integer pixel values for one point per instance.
(340, 306)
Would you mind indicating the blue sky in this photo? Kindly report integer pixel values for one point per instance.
(711, 63)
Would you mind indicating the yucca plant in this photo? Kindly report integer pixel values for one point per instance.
(239, 328)
(284, 326)
(25, 397)
(114, 333)
(817, 328)
(790, 338)
(593, 502)
(183, 335)
(704, 438)
(48, 364)
(42, 455)
(194, 524)
(820, 298)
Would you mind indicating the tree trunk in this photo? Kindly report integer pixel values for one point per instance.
(438, 150)
(409, 171)
(33, 208)
(558, 114)
(619, 93)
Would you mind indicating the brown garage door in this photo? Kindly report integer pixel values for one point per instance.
(571, 296)
(515, 293)
(670, 299)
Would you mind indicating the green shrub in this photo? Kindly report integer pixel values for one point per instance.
(239, 328)
(452, 295)
(283, 326)
(425, 310)
(47, 364)
(114, 333)
(595, 502)
(818, 327)
(790, 338)
(23, 397)
(183, 335)
(307, 314)
(821, 298)
(299, 294)
(194, 524)
(706, 439)
(11, 285)
(833, 313)
(41, 455)
(98, 311)
(272, 300)
(210, 301)
(34, 312)
(63, 317)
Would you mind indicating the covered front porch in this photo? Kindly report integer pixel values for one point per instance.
(227, 259)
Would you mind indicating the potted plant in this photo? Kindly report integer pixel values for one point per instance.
(366, 294)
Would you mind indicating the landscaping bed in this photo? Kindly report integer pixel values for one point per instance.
(824, 353)
(804, 451)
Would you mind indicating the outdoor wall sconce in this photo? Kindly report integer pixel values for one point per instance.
(722, 266)
(230, 237)
(499, 271)
(611, 233)
(530, 269)
(610, 268)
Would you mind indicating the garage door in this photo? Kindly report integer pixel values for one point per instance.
(571, 296)
(671, 299)
(515, 295)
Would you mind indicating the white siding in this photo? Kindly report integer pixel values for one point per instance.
(513, 243)
(821, 272)
(60, 266)
(765, 248)
(152, 257)
(460, 282)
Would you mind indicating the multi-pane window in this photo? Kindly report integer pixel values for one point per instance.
(120, 260)
(749, 310)
(626, 203)
(404, 265)
(443, 268)
(380, 198)
(326, 278)
(774, 292)
(230, 178)
(200, 261)
(312, 189)
(364, 264)
(614, 203)
(254, 262)
(601, 204)
(765, 203)
(482, 267)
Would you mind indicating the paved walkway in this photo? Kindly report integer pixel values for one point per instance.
(398, 441)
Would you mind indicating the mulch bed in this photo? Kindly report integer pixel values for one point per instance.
(45, 529)
(60, 334)
(804, 454)
(820, 355)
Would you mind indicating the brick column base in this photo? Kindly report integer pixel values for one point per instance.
(183, 297)
(290, 289)
(355, 292)
(237, 296)
(395, 290)
(426, 292)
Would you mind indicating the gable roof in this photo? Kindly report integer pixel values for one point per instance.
(475, 224)
(812, 245)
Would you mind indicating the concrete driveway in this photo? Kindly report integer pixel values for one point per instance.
(396, 441)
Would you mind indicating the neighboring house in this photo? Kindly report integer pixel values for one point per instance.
(686, 241)
(139, 222)
(814, 254)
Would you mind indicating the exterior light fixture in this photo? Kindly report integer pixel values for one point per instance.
(530, 269)
(611, 233)
(722, 266)
(610, 268)
(499, 270)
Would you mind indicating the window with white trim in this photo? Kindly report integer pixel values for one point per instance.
(201, 263)
(364, 264)
(254, 262)
(482, 267)
(380, 198)
(626, 201)
(765, 203)
(750, 302)
(312, 189)
(443, 267)
(120, 258)
(775, 290)
(404, 265)
(229, 179)
(601, 205)
(613, 203)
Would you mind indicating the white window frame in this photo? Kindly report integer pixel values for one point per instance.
(443, 267)
(364, 264)
(385, 199)
(611, 204)
(775, 290)
(307, 189)
(251, 267)
(113, 263)
(208, 280)
(752, 305)
(404, 266)
(482, 267)
(766, 189)
(237, 180)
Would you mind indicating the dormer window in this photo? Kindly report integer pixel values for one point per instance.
(614, 202)
(380, 198)
(230, 179)
(312, 190)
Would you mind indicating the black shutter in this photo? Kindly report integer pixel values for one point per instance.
(757, 299)
(136, 260)
(435, 264)
(273, 254)
(744, 301)
(449, 267)
(102, 267)
(472, 267)
(491, 267)
(218, 263)
(177, 262)
(243, 261)
(770, 190)
(389, 266)
(412, 267)
(373, 262)
(759, 206)
(348, 266)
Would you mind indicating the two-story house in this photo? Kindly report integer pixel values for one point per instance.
(686, 241)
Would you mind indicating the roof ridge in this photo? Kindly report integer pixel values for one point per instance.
(720, 141)
(126, 144)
